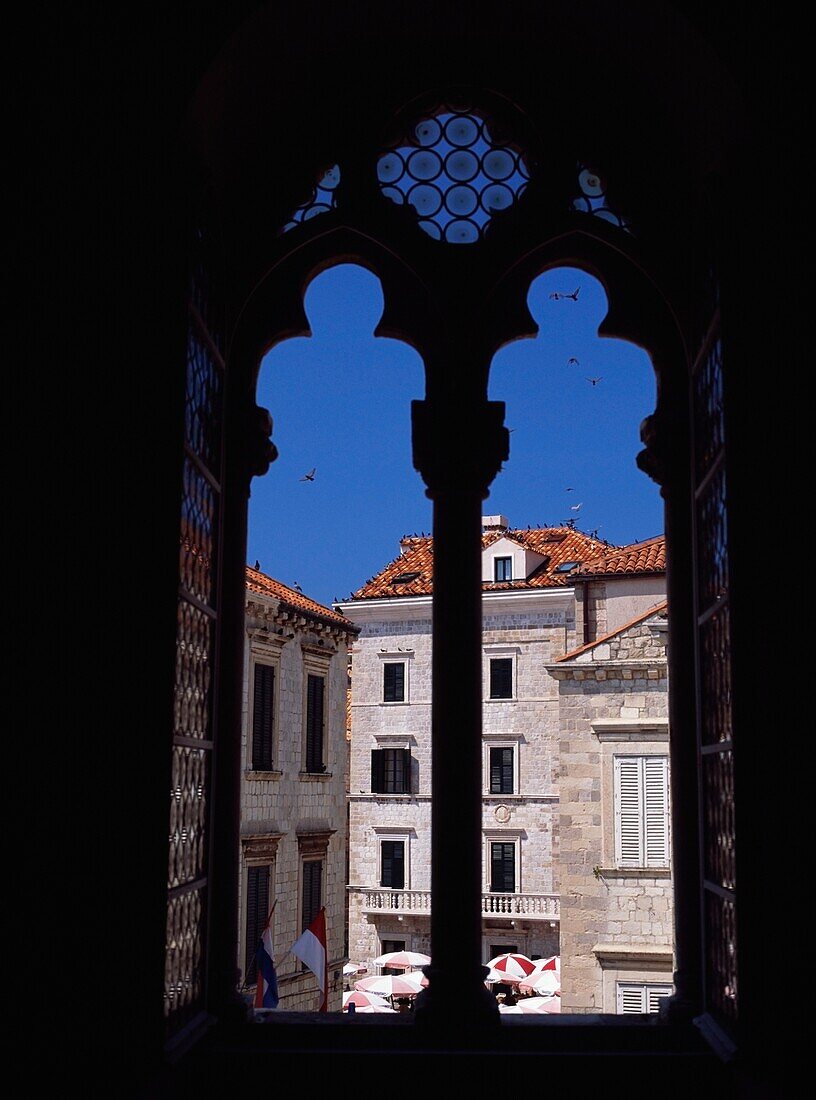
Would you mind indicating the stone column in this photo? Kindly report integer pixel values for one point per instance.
(457, 470)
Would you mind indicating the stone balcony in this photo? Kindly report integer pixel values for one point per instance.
(418, 903)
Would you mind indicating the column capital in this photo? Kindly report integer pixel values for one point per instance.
(458, 450)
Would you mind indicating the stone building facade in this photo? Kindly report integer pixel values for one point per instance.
(544, 592)
(293, 785)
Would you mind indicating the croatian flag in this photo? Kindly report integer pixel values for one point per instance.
(266, 993)
(310, 948)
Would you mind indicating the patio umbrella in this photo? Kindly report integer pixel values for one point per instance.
(505, 1009)
(494, 976)
(546, 981)
(394, 985)
(403, 960)
(513, 967)
(553, 963)
(539, 1005)
(366, 1002)
(353, 968)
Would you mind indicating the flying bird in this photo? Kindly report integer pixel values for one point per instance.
(576, 507)
(558, 295)
(594, 381)
(311, 474)
(569, 489)
(572, 362)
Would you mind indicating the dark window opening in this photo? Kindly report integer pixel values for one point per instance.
(394, 682)
(392, 864)
(257, 910)
(263, 717)
(315, 691)
(391, 771)
(501, 678)
(501, 771)
(502, 868)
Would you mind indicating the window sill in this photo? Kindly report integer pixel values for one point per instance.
(252, 775)
(503, 699)
(635, 872)
(314, 777)
(394, 703)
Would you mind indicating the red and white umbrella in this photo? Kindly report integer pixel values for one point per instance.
(513, 1009)
(539, 1005)
(366, 1002)
(394, 985)
(353, 968)
(553, 963)
(513, 967)
(544, 982)
(403, 960)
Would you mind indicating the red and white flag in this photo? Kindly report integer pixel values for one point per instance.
(310, 948)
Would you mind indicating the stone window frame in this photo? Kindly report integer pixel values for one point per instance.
(628, 737)
(633, 964)
(496, 558)
(315, 662)
(500, 741)
(501, 836)
(392, 833)
(501, 651)
(395, 657)
(258, 850)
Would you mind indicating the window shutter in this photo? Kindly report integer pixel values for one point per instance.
(501, 771)
(631, 999)
(628, 811)
(656, 801)
(393, 864)
(503, 868)
(501, 678)
(378, 771)
(405, 787)
(314, 724)
(257, 910)
(312, 883)
(263, 717)
(655, 994)
(394, 682)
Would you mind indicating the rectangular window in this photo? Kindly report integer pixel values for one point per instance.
(312, 891)
(501, 771)
(387, 947)
(502, 867)
(257, 910)
(315, 692)
(637, 997)
(394, 682)
(502, 569)
(501, 677)
(391, 771)
(392, 864)
(642, 811)
(263, 717)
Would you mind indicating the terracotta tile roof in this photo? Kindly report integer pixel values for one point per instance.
(268, 586)
(656, 610)
(558, 545)
(639, 557)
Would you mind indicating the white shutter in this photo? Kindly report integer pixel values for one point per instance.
(656, 802)
(628, 811)
(654, 995)
(631, 998)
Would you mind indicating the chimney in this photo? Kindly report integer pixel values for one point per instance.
(494, 523)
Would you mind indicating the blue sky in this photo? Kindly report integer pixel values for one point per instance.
(341, 403)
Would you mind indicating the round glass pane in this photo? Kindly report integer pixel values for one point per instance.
(425, 199)
(432, 229)
(428, 132)
(498, 164)
(390, 168)
(590, 184)
(424, 164)
(461, 200)
(313, 211)
(330, 179)
(394, 194)
(461, 231)
(461, 130)
(461, 165)
(497, 196)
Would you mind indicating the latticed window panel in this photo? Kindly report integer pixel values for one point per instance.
(454, 175)
(183, 982)
(322, 199)
(205, 297)
(721, 957)
(592, 199)
(203, 398)
(199, 508)
(712, 541)
(715, 678)
(188, 815)
(193, 685)
(709, 429)
(718, 801)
